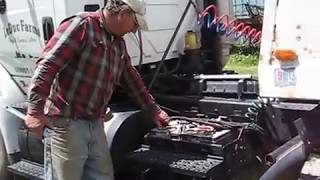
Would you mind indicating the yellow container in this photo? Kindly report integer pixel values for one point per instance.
(191, 40)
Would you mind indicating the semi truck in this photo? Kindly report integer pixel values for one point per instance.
(223, 125)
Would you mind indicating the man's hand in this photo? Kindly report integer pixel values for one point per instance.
(37, 123)
(160, 118)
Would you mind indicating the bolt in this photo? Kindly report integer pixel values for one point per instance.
(298, 38)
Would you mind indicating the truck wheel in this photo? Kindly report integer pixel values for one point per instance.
(3, 159)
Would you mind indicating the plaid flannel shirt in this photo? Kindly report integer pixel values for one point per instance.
(78, 69)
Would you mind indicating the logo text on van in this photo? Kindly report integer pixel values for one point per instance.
(20, 27)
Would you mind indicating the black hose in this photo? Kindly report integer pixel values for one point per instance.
(289, 166)
(139, 39)
(169, 109)
(170, 44)
(281, 151)
(27, 143)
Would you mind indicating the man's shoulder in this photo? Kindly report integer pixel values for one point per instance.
(85, 15)
(82, 16)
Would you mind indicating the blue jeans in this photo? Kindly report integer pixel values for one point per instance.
(79, 150)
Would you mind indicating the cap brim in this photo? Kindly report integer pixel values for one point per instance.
(142, 22)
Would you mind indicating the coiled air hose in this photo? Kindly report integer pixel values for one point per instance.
(226, 26)
(254, 110)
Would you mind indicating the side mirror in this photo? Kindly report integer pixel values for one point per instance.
(3, 6)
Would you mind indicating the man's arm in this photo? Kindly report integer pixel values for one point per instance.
(134, 85)
(57, 53)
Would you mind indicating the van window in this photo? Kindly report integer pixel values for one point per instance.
(91, 7)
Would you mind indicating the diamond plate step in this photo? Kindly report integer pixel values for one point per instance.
(189, 165)
(27, 169)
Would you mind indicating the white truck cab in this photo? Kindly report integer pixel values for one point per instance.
(288, 64)
(25, 27)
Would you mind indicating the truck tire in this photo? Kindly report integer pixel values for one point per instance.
(3, 159)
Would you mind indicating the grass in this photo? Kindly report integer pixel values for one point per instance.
(243, 63)
(242, 68)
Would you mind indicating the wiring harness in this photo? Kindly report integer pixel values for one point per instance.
(220, 124)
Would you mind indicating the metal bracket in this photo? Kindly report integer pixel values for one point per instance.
(302, 131)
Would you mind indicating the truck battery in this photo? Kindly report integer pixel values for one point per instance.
(226, 85)
(192, 149)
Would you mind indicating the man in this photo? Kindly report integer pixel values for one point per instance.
(73, 83)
